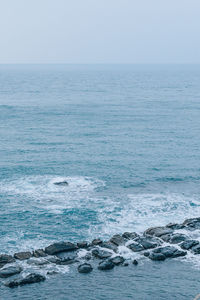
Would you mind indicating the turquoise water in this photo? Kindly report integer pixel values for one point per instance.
(126, 138)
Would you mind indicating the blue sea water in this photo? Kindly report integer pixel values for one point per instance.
(125, 137)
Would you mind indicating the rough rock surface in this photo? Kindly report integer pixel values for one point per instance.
(5, 259)
(106, 265)
(10, 271)
(60, 247)
(85, 268)
(22, 255)
(31, 278)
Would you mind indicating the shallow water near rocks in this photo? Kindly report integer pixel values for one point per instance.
(125, 138)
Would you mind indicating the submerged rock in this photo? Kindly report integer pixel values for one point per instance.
(60, 247)
(22, 255)
(85, 268)
(157, 256)
(10, 271)
(31, 278)
(39, 253)
(135, 262)
(106, 265)
(62, 183)
(83, 245)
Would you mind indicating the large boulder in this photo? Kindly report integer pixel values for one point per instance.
(106, 265)
(177, 238)
(117, 260)
(85, 268)
(39, 253)
(158, 231)
(168, 252)
(10, 271)
(5, 259)
(117, 240)
(188, 244)
(31, 278)
(193, 223)
(130, 235)
(136, 247)
(22, 255)
(148, 243)
(60, 247)
(101, 253)
(97, 242)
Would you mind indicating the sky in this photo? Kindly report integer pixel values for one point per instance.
(99, 31)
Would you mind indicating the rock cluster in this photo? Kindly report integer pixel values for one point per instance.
(156, 244)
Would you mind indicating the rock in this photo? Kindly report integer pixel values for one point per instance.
(169, 251)
(97, 242)
(83, 245)
(166, 237)
(157, 256)
(196, 249)
(106, 265)
(147, 243)
(31, 278)
(62, 183)
(52, 272)
(54, 260)
(85, 268)
(117, 240)
(39, 253)
(135, 262)
(146, 253)
(22, 255)
(125, 264)
(193, 223)
(10, 271)
(177, 238)
(188, 244)
(158, 231)
(60, 247)
(5, 259)
(175, 226)
(38, 262)
(117, 260)
(136, 247)
(109, 245)
(101, 253)
(130, 235)
(66, 258)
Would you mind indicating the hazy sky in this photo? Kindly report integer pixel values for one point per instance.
(99, 31)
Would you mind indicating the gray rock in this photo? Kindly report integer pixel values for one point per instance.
(166, 237)
(117, 240)
(135, 262)
(101, 253)
(38, 262)
(83, 245)
(169, 252)
(31, 278)
(39, 253)
(85, 268)
(60, 247)
(22, 255)
(97, 242)
(177, 238)
(106, 265)
(193, 223)
(109, 245)
(130, 235)
(158, 231)
(157, 256)
(196, 249)
(147, 243)
(53, 260)
(5, 259)
(125, 264)
(188, 244)
(62, 183)
(10, 271)
(136, 247)
(175, 226)
(117, 260)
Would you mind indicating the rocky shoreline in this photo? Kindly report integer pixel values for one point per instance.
(156, 243)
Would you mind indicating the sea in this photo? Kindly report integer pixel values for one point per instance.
(126, 138)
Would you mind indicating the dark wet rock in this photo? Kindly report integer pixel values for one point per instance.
(39, 253)
(125, 264)
(38, 262)
(5, 259)
(31, 278)
(158, 231)
(196, 249)
(88, 256)
(62, 183)
(97, 242)
(66, 258)
(130, 235)
(101, 253)
(148, 243)
(22, 255)
(135, 262)
(117, 240)
(53, 260)
(169, 252)
(166, 237)
(157, 256)
(106, 265)
(146, 253)
(85, 268)
(188, 244)
(60, 247)
(136, 247)
(10, 271)
(109, 245)
(117, 260)
(177, 238)
(52, 272)
(175, 226)
(193, 223)
(83, 245)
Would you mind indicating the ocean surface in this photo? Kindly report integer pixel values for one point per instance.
(127, 140)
